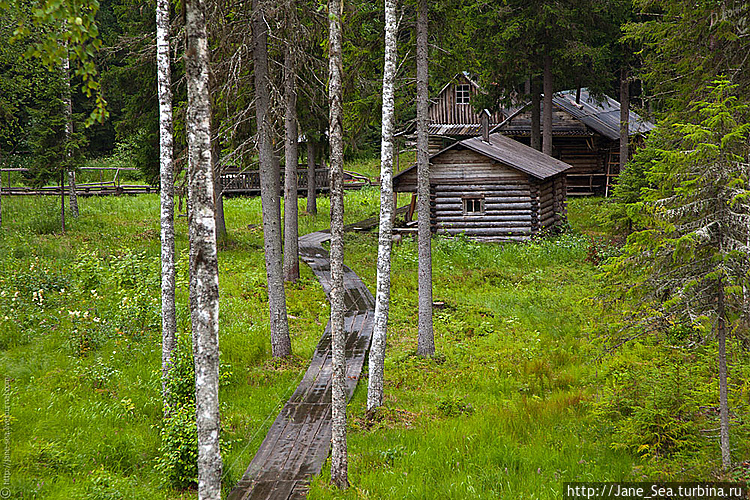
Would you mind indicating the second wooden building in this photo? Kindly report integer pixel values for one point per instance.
(492, 187)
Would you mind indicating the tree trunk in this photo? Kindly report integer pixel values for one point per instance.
(1, 196)
(166, 171)
(548, 90)
(221, 225)
(312, 202)
(377, 349)
(425, 335)
(62, 201)
(624, 119)
(291, 228)
(536, 111)
(68, 109)
(204, 270)
(281, 345)
(339, 474)
(726, 459)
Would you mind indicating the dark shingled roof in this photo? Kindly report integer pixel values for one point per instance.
(509, 152)
(602, 116)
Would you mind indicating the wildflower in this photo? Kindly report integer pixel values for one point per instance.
(96, 320)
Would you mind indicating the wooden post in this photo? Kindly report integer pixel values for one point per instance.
(485, 126)
(398, 156)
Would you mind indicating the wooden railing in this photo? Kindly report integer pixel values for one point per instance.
(248, 181)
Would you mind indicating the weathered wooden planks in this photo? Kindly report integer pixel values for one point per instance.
(299, 440)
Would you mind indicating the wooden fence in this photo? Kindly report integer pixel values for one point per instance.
(233, 183)
(247, 182)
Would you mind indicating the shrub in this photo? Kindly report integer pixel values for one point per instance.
(178, 454)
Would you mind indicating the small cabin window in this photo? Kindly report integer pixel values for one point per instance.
(473, 205)
(463, 94)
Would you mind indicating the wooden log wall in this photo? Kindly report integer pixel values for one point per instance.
(507, 209)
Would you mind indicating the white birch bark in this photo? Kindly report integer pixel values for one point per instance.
(312, 202)
(68, 110)
(547, 118)
(385, 240)
(166, 172)
(425, 335)
(281, 345)
(291, 228)
(204, 275)
(339, 472)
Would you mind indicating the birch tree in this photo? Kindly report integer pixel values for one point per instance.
(291, 228)
(383, 294)
(425, 335)
(204, 271)
(166, 196)
(281, 345)
(693, 261)
(68, 111)
(339, 474)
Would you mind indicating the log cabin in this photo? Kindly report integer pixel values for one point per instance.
(585, 134)
(492, 188)
(585, 130)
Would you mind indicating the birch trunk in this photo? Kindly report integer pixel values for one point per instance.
(548, 90)
(291, 228)
(536, 109)
(166, 173)
(204, 271)
(624, 119)
(726, 458)
(68, 110)
(425, 335)
(383, 294)
(281, 345)
(339, 474)
(312, 202)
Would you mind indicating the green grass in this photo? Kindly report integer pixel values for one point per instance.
(517, 400)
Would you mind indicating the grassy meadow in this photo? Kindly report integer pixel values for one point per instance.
(519, 398)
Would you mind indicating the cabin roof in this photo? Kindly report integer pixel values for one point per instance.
(510, 152)
(603, 115)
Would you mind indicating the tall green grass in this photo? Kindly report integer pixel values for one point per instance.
(517, 400)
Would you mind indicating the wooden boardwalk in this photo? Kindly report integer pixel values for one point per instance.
(299, 440)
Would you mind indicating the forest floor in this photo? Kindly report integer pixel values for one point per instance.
(519, 398)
